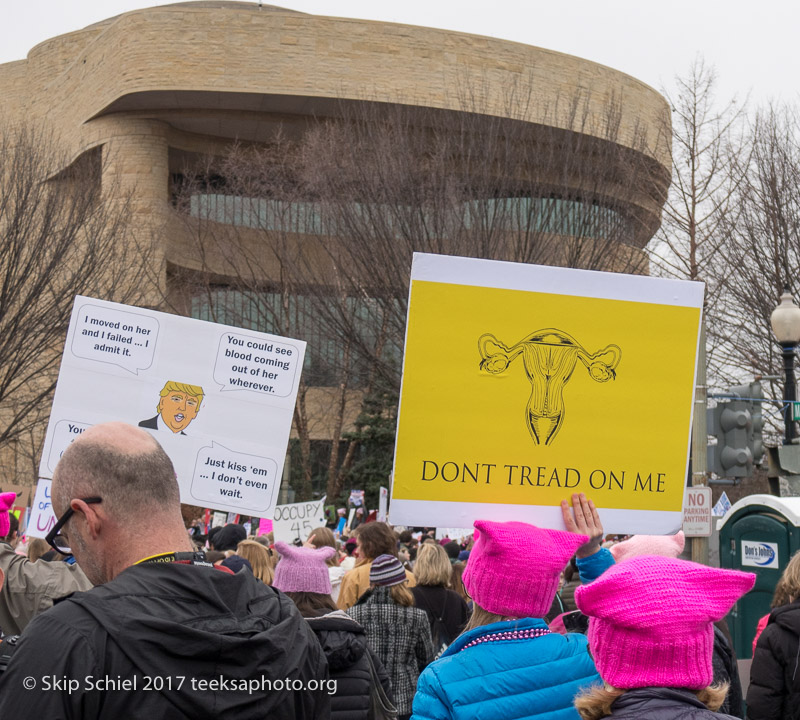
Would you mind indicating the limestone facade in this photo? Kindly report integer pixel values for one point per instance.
(192, 77)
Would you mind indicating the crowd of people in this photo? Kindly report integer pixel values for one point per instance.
(123, 613)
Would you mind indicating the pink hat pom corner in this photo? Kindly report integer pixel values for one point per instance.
(660, 545)
(286, 550)
(325, 552)
(7, 500)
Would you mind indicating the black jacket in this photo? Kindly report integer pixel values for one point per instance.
(662, 704)
(726, 670)
(774, 691)
(193, 639)
(344, 643)
(443, 603)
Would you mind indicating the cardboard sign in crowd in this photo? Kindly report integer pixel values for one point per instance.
(524, 384)
(219, 399)
(521, 385)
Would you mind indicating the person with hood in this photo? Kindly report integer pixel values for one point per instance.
(651, 635)
(774, 692)
(29, 588)
(163, 634)
(397, 631)
(302, 574)
(507, 665)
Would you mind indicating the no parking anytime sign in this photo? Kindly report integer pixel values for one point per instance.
(697, 512)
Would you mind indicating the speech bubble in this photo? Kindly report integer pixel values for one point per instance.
(64, 433)
(116, 337)
(257, 364)
(226, 478)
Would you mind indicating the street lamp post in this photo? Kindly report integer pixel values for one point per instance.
(785, 320)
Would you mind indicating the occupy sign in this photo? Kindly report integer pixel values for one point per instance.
(297, 520)
(524, 384)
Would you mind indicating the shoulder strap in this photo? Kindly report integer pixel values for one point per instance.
(385, 709)
(444, 605)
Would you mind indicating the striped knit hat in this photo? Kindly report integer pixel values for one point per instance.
(386, 570)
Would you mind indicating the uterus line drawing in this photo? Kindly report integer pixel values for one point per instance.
(549, 357)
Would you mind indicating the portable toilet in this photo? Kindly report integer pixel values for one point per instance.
(758, 534)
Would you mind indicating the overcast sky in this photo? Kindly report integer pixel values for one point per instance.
(754, 46)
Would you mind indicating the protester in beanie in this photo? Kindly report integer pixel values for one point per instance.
(774, 691)
(374, 539)
(228, 537)
(447, 612)
(323, 537)
(302, 574)
(652, 637)
(725, 667)
(397, 631)
(259, 558)
(507, 665)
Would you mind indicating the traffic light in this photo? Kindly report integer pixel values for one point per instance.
(737, 423)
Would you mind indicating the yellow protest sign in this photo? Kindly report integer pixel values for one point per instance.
(523, 384)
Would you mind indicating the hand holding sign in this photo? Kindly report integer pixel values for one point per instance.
(583, 519)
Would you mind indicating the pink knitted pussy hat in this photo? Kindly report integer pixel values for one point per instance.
(7, 500)
(303, 569)
(663, 545)
(514, 567)
(651, 620)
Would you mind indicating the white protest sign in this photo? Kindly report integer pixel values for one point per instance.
(41, 519)
(218, 399)
(454, 533)
(296, 520)
(383, 504)
(219, 519)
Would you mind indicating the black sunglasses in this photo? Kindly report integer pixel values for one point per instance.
(54, 535)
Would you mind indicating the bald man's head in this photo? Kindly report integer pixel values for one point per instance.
(122, 464)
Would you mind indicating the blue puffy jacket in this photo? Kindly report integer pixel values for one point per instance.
(507, 670)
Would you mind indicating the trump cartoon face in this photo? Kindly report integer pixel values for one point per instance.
(178, 409)
(178, 405)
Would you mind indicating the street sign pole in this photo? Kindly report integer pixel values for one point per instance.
(700, 441)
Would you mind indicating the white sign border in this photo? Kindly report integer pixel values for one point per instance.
(548, 279)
